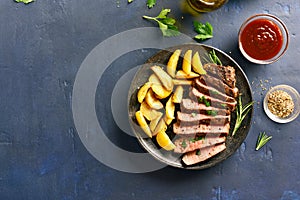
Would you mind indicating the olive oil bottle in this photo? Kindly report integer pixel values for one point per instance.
(205, 5)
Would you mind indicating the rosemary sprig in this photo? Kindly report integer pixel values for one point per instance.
(214, 58)
(241, 113)
(262, 140)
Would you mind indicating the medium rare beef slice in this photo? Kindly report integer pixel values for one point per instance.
(187, 144)
(178, 128)
(219, 85)
(188, 105)
(194, 118)
(203, 154)
(211, 91)
(225, 73)
(203, 98)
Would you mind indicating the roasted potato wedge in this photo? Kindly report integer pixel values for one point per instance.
(182, 75)
(197, 65)
(143, 124)
(178, 94)
(170, 108)
(154, 122)
(187, 62)
(154, 79)
(182, 82)
(168, 120)
(161, 126)
(148, 112)
(164, 141)
(172, 63)
(143, 91)
(160, 91)
(164, 77)
(152, 101)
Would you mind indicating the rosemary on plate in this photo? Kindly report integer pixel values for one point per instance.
(241, 113)
(214, 58)
(262, 140)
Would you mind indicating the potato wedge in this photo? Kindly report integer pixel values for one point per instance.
(170, 108)
(168, 120)
(154, 122)
(187, 62)
(164, 77)
(152, 101)
(161, 126)
(160, 91)
(154, 79)
(143, 91)
(197, 65)
(143, 124)
(148, 112)
(164, 141)
(172, 63)
(182, 82)
(178, 94)
(182, 75)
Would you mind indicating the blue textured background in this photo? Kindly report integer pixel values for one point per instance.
(42, 46)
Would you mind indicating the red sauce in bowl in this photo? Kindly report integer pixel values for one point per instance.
(261, 39)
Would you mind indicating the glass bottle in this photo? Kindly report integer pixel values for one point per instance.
(205, 5)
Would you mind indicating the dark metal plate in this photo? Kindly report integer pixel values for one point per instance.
(170, 158)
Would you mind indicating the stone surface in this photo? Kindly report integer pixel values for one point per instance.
(42, 46)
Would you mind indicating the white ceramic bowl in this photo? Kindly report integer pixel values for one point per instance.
(296, 99)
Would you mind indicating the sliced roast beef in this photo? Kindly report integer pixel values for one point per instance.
(219, 85)
(203, 154)
(185, 129)
(194, 118)
(225, 73)
(211, 91)
(201, 97)
(188, 105)
(187, 144)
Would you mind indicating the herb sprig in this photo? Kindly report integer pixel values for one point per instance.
(262, 140)
(241, 113)
(205, 31)
(166, 24)
(214, 58)
(151, 3)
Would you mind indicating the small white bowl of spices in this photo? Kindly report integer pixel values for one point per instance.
(282, 103)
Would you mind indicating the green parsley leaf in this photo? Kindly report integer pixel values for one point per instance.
(151, 3)
(24, 1)
(212, 112)
(198, 152)
(262, 140)
(163, 13)
(166, 24)
(168, 21)
(205, 31)
(183, 144)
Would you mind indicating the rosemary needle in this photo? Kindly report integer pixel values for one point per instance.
(262, 140)
(241, 113)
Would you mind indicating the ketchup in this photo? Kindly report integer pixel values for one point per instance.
(261, 39)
